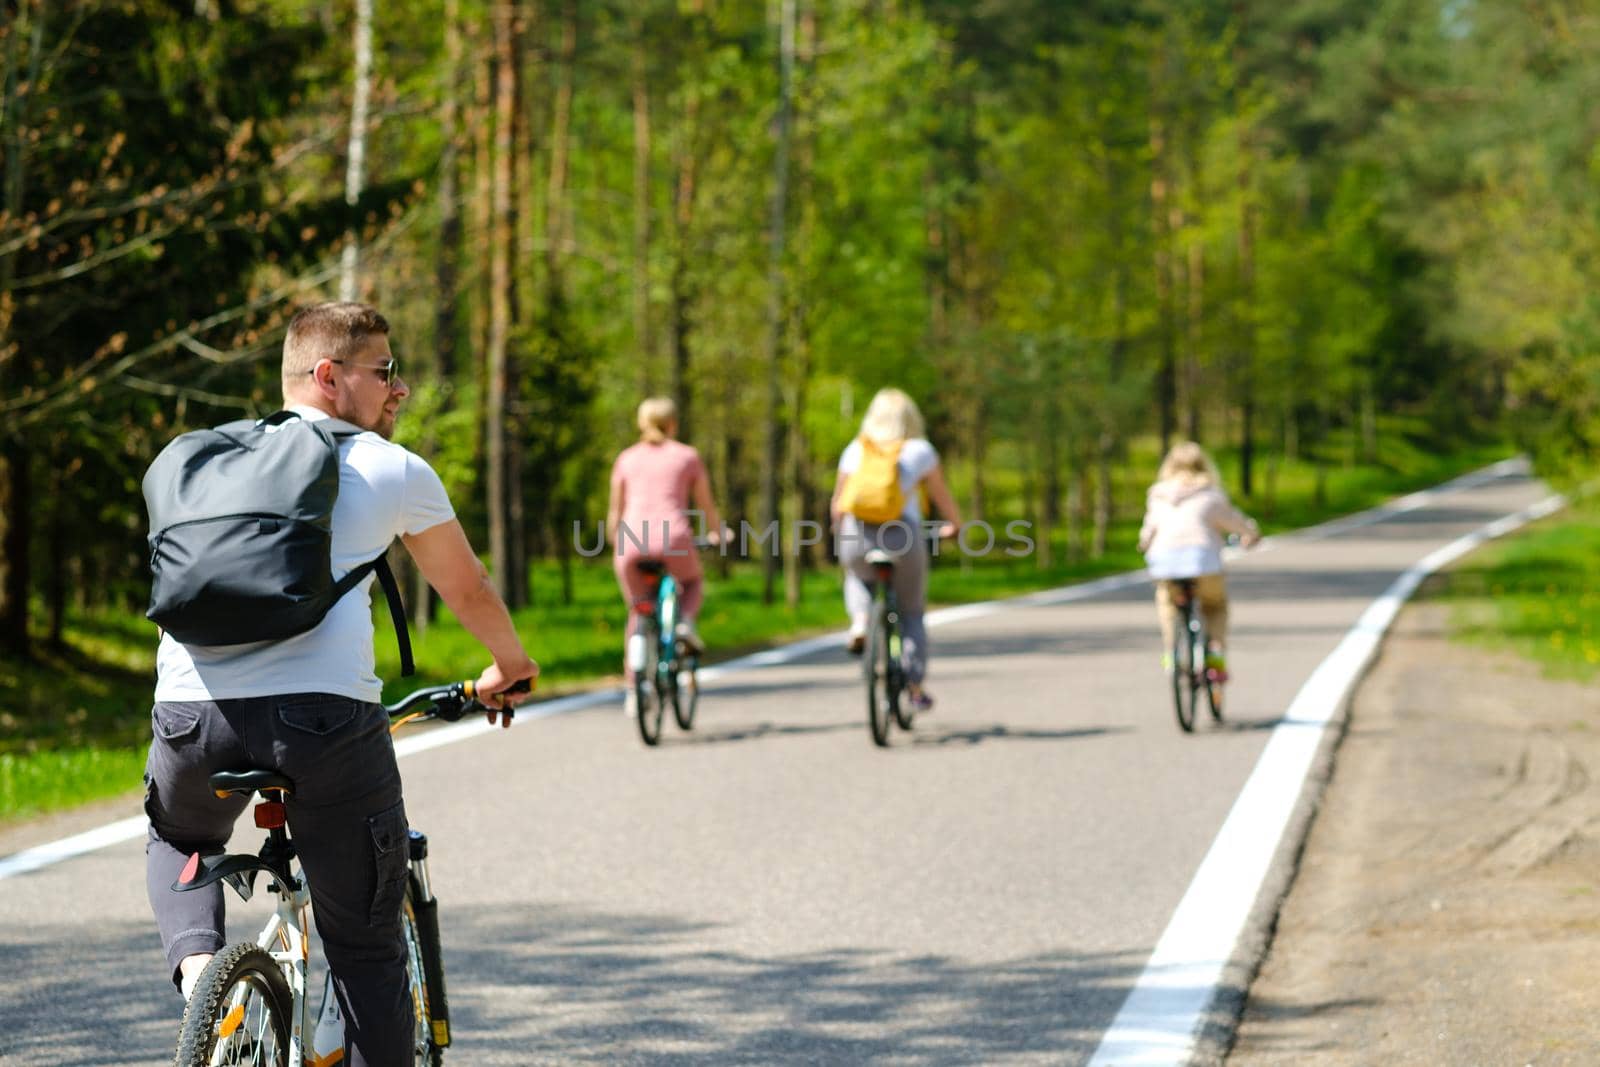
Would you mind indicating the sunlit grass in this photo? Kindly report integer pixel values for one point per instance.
(1536, 593)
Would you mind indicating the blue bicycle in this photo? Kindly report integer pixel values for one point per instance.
(663, 664)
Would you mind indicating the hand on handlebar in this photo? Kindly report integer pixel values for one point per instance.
(501, 689)
(948, 530)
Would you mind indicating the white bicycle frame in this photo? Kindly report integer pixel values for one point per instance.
(284, 939)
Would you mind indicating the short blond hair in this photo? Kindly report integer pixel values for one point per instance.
(892, 416)
(335, 330)
(1187, 459)
(658, 419)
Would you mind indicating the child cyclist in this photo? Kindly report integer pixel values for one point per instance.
(1187, 514)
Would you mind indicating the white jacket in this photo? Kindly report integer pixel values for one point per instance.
(1187, 518)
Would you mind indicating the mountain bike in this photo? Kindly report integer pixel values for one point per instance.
(250, 1005)
(1190, 676)
(881, 667)
(664, 666)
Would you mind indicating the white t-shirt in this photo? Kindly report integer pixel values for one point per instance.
(384, 491)
(917, 458)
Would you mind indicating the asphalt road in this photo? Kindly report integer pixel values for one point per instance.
(772, 887)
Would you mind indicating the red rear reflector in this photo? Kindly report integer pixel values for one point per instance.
(269, 815)
(646, 607)
(190, 869)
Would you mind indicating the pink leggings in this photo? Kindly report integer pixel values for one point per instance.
(685, 570)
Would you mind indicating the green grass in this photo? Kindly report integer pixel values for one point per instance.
(1536, 593)
(31, 784)
(73, 725)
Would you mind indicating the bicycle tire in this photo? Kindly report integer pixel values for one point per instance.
(903, 715)
(875, 667)
(1183, 671)
(645, 685)
(419, 921)
(1208, 686)
(239, 1012)
(686, 696)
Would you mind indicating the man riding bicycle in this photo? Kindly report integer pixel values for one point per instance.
(308, 705)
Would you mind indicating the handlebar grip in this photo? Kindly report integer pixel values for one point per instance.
(521, 685)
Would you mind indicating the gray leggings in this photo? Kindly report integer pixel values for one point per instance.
(349, 829)
(904, 542)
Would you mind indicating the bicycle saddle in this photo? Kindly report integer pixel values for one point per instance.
(226, 783)
(652, 566)
(878, 557)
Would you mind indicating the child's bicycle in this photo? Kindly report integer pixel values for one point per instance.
(250, 1005)
(1191, 677)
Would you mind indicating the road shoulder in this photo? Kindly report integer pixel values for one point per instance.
(1446, 909)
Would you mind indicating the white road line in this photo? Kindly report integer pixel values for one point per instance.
(129, 829)
(1161, 1018)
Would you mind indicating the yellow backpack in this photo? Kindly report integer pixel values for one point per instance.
(872, 491)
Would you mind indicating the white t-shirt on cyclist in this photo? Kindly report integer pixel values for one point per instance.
(917, 458)
(385, 491)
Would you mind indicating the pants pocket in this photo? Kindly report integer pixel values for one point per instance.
(175, 722)
(389, 849)
(318, 714)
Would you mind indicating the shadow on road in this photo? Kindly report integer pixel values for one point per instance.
(556, 985)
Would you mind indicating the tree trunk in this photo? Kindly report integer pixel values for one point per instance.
(641, 209)
(18, 497)
(1194, 339)
(1166, 319)
(1247, 292)
(770, 471)
(1104, 500)
(355, 172)
(500, 285)
(446, 266)
(685, 185)
(56, 581)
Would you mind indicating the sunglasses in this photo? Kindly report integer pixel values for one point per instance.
(387, 372)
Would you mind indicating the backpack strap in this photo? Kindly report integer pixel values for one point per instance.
(397, 607)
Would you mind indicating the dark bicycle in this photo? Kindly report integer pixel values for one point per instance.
(881, 666)
(250, 1005)
(664, 665)
(1191, 677)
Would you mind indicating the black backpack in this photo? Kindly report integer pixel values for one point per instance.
(241, 531)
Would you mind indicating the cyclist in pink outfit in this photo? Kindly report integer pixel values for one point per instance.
(653, 484)
(1187, 514)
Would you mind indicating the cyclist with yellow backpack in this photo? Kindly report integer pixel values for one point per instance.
(876, 505)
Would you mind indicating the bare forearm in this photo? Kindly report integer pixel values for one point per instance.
(484, 614)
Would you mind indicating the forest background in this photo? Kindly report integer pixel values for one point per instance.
(1346, 246)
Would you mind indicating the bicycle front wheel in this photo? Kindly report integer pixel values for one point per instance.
(1184, 677)
(239, 1013)
(419, 923)
(686, 696)
(878, 668)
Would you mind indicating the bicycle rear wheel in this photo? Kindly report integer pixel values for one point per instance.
(644, 683)
(419, 923)
(877, 667)
(238, 1014)
(1185, 682)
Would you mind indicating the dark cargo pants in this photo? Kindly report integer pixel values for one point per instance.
(348, 826)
